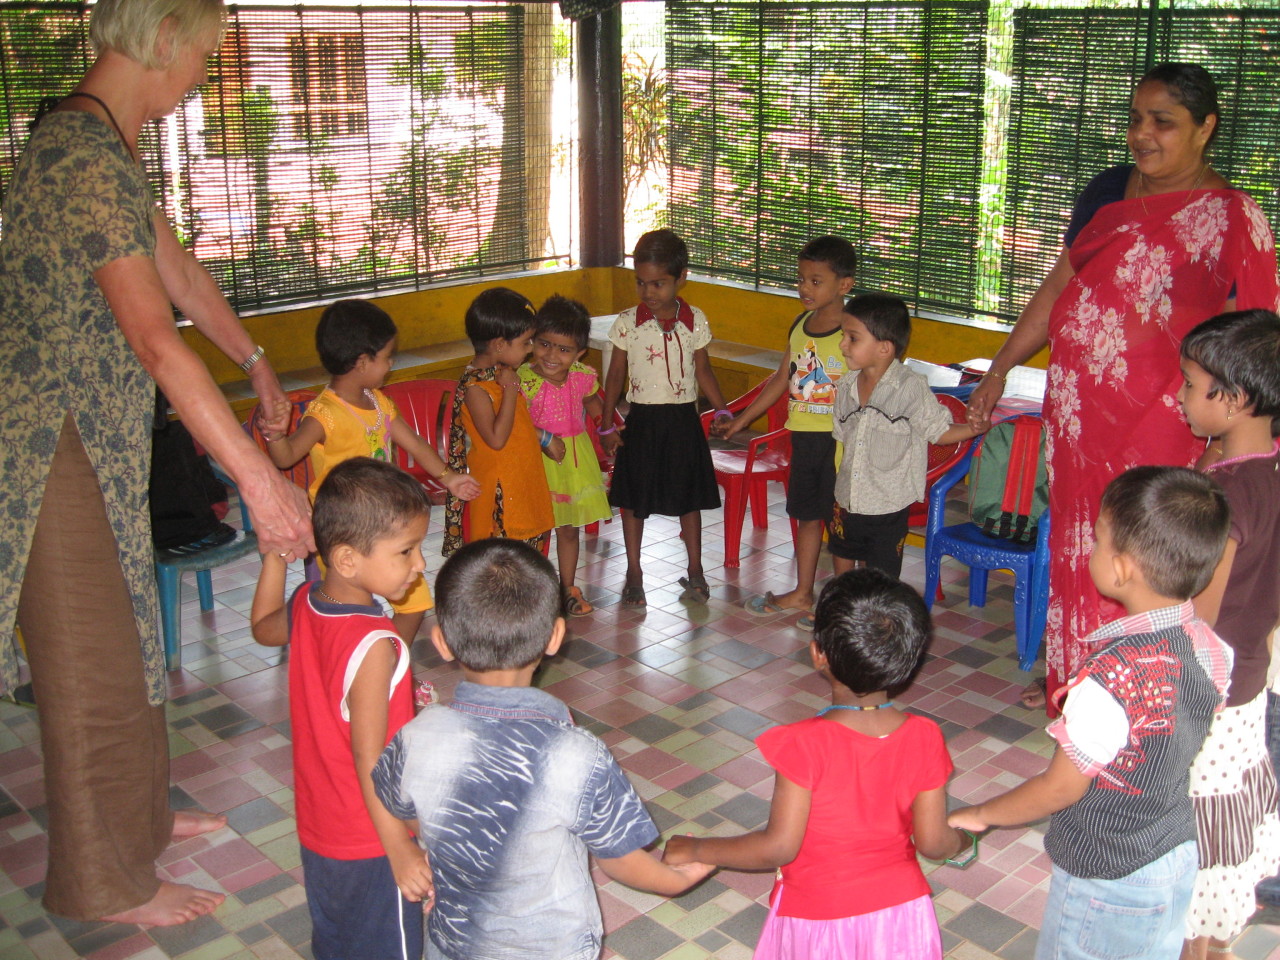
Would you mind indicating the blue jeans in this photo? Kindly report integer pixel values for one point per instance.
(1139, 915)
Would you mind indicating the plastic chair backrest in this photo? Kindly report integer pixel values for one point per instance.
(300, 473)
(426, 406)
(1008, 483)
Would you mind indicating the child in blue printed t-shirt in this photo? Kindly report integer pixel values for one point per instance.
(509, 795)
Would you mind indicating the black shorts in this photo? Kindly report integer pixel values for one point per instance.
(875, 539)
(811, 489)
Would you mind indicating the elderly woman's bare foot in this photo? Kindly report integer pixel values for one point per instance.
(174, 903)
(192, 823)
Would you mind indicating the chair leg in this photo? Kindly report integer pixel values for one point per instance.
(593, 528)
(932, 578)
(759, 497)
(204, 586)
(169, 582)
(1022, 614)
(977, 587)
(735, 512)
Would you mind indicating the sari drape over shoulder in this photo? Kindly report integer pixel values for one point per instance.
(1146, 271)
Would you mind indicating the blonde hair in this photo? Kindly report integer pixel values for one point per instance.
(132, 27)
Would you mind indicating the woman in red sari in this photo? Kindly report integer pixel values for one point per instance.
(1153, 248)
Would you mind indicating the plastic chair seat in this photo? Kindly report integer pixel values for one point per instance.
(770, 465)
(169, 571)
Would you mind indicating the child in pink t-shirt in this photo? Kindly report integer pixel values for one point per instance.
(859, 790)
(562, 392)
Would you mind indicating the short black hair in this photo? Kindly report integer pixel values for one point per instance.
(664, 248)
(349, 330)
(872, 629)
(565, 317)
(835, 252)
(1192, 86)
(497, 601)
(499, 313)
(885, 317)
(1241, 351)
(1173, 522)
(363, 500)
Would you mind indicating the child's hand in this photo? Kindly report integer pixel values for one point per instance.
(274, 423)
(555, 450)
(412, 872)
(678, 851)
(725, 427)
(505, 376)
(462, 485)
(968, 818)
(693, 871)
(610, 442)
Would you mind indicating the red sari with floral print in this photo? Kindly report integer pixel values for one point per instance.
(1146, 271)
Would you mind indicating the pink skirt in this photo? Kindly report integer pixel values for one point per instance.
(908, 931)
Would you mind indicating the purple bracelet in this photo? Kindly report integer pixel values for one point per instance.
(722, 413)
(605, 433)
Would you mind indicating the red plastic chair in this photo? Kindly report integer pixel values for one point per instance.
(743, 473)
(427, 408)
(942, 457)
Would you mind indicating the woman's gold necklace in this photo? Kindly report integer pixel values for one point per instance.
(1144, 189)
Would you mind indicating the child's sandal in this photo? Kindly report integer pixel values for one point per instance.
(575, 604)
(695, 589)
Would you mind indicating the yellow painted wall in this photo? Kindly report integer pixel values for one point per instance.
(436, 315)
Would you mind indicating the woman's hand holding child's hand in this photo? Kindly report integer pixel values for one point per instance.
(274, 423)
(968, 818)
(555, 450)
(462, 485)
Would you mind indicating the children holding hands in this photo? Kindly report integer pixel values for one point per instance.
(1122, 829)
(349, 693)
(353, 418)
(509, 794)
(562, 393)
(859, 790)
(492, 436)
(663, 461)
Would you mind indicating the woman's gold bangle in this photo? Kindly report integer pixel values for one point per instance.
(447, 471)
(992, 373)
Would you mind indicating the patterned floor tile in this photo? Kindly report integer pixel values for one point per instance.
(678, 690)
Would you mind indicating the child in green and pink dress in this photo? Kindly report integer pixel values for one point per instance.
(561, 391)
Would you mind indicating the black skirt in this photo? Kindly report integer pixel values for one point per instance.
(664, 464)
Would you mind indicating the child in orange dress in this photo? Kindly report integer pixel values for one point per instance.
(492, 437)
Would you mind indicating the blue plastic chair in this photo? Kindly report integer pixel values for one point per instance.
(169, 571)
(982, 554)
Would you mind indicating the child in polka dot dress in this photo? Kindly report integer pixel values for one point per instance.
(1231, 397)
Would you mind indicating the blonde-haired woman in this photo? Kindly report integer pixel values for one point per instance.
(89, 274)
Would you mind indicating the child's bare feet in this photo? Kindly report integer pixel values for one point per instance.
(1034, 694)
(174, 903)
(192, 823)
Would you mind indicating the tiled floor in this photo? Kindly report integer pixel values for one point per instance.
(677, 692)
